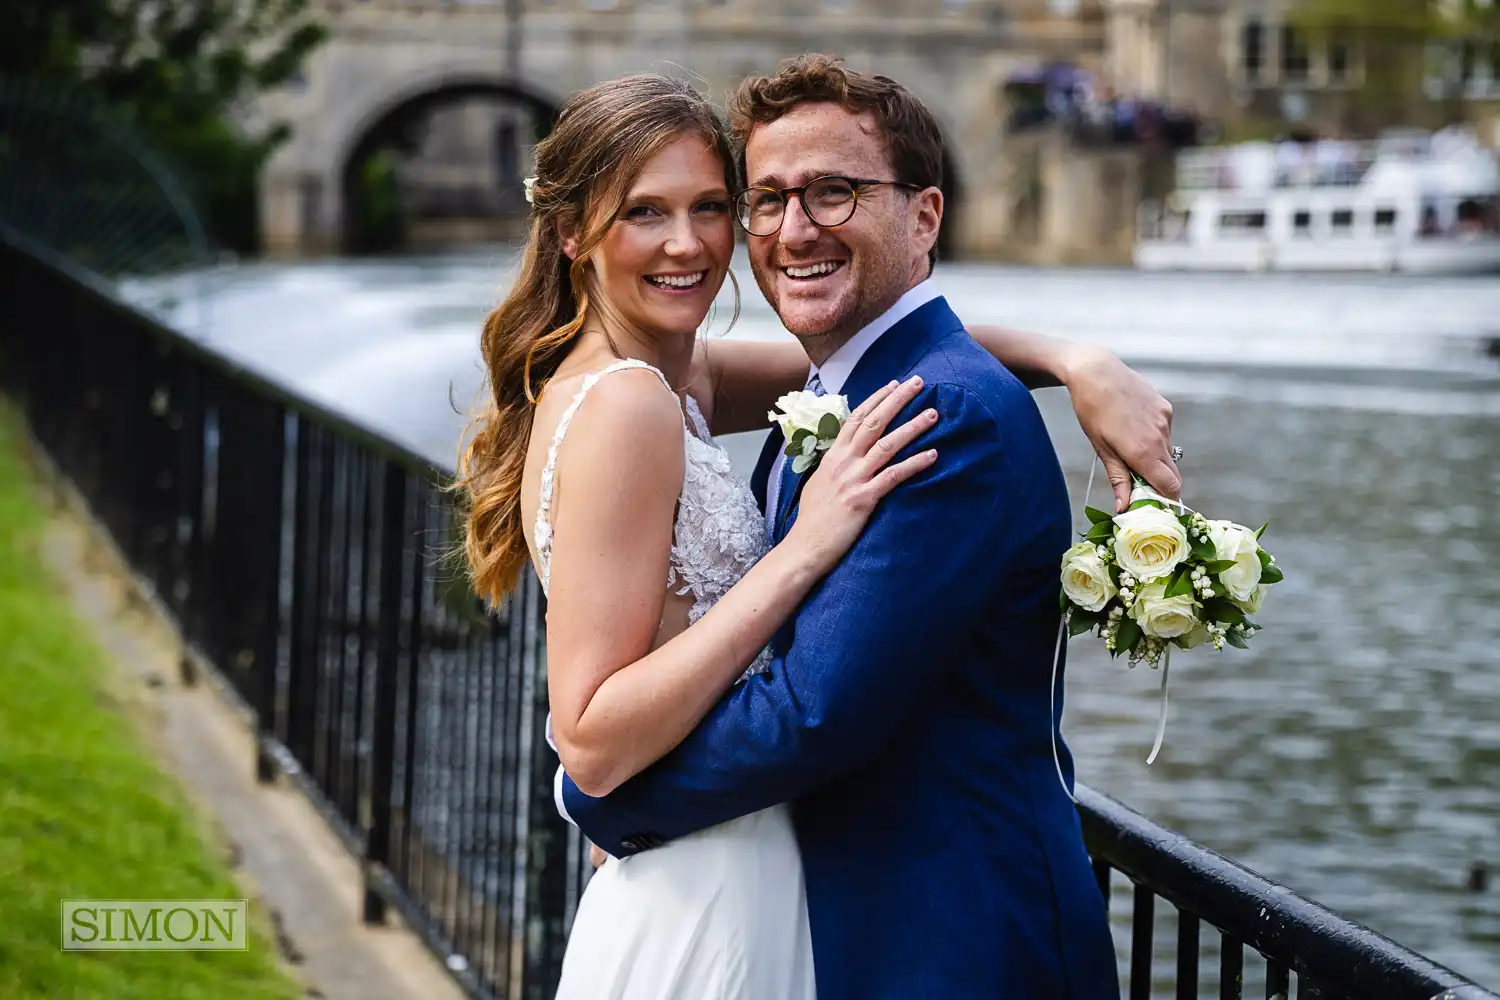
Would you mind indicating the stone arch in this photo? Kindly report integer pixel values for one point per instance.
(383, 120)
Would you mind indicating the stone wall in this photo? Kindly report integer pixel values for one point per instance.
(1053, 201)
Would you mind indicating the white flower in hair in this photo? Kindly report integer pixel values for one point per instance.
(530, 183)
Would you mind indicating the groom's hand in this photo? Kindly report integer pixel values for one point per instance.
(1127, 421)
(597, 855)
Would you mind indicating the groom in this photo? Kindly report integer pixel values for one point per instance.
(908, 710)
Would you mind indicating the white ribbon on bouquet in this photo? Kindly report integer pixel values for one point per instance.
(1140, 491)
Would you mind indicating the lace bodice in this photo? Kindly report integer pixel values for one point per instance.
(719, 532)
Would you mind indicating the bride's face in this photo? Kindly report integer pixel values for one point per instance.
(666, 254)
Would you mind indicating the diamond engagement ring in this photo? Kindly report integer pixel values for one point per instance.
(1176, 453)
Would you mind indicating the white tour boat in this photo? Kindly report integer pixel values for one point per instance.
(1413, 202)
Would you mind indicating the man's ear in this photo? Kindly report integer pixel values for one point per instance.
(927, 218)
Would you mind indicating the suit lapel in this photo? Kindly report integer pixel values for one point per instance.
(890, 357)
(760, 478)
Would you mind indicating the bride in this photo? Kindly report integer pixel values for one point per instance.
(595, 462)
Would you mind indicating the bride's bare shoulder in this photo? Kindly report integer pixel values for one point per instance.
(626, 418)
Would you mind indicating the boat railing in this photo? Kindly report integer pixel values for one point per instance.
(1261, 167)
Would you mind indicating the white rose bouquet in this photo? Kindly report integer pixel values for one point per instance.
(810, 423)
(1160, 575)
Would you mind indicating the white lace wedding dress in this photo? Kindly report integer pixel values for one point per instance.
(720, 914)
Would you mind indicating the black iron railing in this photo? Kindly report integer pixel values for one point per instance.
(307, 559)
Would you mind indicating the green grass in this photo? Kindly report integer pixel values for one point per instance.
(84, 810)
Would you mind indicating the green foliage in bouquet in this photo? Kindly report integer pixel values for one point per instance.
(1159, 575)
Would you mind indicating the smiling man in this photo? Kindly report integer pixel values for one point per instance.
(908, 712)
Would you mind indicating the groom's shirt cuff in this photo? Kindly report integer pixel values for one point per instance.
(557, 779)
(557, 794)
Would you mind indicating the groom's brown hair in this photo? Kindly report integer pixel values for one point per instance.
(912, 138)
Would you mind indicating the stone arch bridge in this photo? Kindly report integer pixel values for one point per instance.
(389, 59)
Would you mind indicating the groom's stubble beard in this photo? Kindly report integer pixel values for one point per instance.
(878, 279)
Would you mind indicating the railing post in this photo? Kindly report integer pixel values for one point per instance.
(265, 646)
(387, 655)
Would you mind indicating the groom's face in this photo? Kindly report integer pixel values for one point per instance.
(827, 283)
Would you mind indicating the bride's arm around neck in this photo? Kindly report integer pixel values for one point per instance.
(617, 704)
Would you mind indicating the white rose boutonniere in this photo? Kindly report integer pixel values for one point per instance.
(810, 423)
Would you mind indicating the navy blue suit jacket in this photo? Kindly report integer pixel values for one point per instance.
(906, 715)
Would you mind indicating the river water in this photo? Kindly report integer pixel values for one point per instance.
(1354, 752)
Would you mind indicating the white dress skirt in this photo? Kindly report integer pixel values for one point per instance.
(720, 914)
(717, 915)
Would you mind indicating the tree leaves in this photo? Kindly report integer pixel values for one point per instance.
(181, 73)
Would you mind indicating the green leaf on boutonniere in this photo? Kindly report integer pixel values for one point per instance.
(1127, 635)
(1097, 516)
(1217, 566)
(802, 463)
(1270, 572)
(1236, 639)
(1205, 550)
(1261, 530)
(1148, 503)
(1181, 583)
(828, 426)
(794, 444)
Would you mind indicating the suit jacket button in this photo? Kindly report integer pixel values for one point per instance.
(631, 844)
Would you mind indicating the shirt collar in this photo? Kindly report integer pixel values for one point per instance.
(834, 372)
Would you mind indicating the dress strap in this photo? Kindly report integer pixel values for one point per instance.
(543, 528)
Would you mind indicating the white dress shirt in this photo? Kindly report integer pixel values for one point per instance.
(834, 372)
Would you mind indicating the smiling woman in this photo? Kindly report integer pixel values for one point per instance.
(661, 264)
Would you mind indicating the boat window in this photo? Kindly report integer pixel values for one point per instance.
(1339, 61)
(1242, 222)
(1478, 215)
(1302, 223)
(1385, 219)
(1343, 219)
(1295, 58)
(1253, 50)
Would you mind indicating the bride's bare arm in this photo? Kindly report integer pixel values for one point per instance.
(1127, 421)
(617, 705)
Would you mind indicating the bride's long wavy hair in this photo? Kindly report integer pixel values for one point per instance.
(603, 139)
